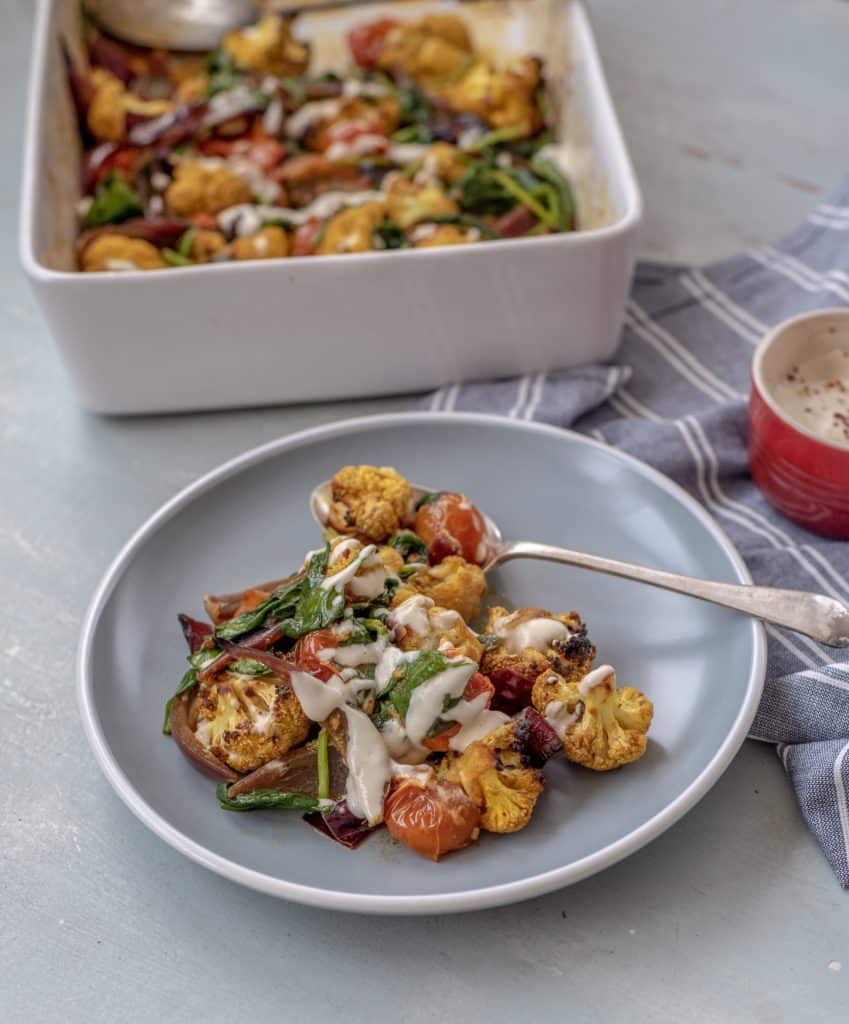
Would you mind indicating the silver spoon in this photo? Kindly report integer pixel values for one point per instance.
(190, 24)
(814, 615)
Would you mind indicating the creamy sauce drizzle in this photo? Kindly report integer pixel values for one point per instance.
(598, 677)
(559, 718)
(538, 634)
(247, 219)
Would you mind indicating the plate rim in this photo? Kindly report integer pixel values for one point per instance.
(372, 903)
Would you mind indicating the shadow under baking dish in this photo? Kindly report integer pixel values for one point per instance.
(702, 666)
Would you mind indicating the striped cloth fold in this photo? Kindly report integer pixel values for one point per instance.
(676, 399)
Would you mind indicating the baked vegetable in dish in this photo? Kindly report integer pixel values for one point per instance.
(245, 153)
(358, 690)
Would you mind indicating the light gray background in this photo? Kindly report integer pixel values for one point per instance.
(736, 117)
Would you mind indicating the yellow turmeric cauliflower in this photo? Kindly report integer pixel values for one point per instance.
(532, 641)
(430, 50)
(352, 229)
(206, 245)
(408, 204)
(269, 242)
(442, 162)
(246, 720)
(504, 98)
(454, 583)
(420, 625)
(370, 500)
(506, 794)
(610, 724)
(268, 47)
(200, 188)
(115, 252)
(369, 577)
(111, 102)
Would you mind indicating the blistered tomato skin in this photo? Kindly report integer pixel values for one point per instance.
(432, 819)
(366, 41)
(452, 517)
(307, 653)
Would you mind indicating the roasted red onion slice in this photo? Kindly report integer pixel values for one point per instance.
(340, 824)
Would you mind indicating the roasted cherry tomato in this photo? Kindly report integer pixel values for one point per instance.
(366, 41)
(450, 517)
(433, 818)
(306, 238)
(476, 685)
(307, 651)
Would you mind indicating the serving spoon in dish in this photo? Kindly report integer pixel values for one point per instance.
(817, 616)
(192, 24)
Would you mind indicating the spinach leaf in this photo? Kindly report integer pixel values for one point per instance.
(426, 499)
(407, 543)
(391, 235)
(175, 259)
(299, 607)
(189, 680)
(411, 675)
(466, 221)
(115, 200)
(322, 753)
(265, 799)
(413, 106)
(249, 667)
(223, 73)
(564, 204)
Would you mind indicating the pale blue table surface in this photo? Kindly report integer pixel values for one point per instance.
(736, 116)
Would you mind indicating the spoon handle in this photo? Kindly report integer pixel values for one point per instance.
(814, 615)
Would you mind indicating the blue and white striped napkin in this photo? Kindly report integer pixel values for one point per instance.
(676, 398)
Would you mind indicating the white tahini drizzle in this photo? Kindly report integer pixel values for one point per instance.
(339, 579)
(559, 717)
(538, 634)
(311, 114)
(247, 218)
(598, 677)
(412, 614)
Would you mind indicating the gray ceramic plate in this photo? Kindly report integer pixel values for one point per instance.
(249, 520)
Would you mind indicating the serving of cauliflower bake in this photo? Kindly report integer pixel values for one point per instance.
(244, 154)
(358, 691)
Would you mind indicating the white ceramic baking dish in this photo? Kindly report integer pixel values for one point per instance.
(300, 329)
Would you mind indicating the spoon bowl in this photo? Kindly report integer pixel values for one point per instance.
(815, 615)
(173, 24)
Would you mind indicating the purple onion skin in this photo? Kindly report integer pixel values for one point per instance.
(341, 825)
(195, 632)
(512, 691)
(538, 740)
(106, 54)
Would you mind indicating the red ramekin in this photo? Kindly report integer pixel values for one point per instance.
(803, 475)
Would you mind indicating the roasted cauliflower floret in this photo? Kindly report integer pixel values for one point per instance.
(379, 116)
(352, 229)
(408, 204)
(442, 162)
(206, 245)
(269, 242)
(268, 47)
(115, 252)
(436, 47)
(201, 188)
(454, 583)
(532, 641)
(504, 98)
(370, 500)
(444, 234)
(610, 724)
(246, 720)
(110, 104)
(370, 576)
(106, 117)
(420, 625)
(505, 793)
